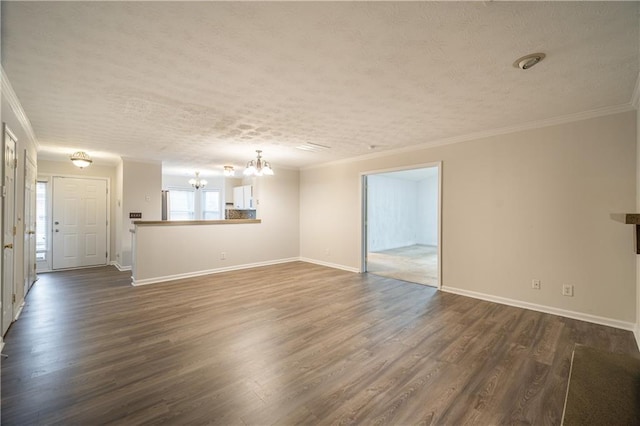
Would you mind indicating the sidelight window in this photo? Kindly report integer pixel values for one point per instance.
(41, 221)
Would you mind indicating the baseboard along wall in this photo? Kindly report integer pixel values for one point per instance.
(635, 328)
(208, 272)
(330, 265)
(120, 267)
(546, 309)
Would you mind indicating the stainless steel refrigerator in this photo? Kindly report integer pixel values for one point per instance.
(165, 205)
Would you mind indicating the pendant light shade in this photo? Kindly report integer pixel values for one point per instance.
(81, 159)
(229, 171)
(197, 183)
(258, 167)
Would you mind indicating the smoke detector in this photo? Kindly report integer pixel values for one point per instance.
(528, 61)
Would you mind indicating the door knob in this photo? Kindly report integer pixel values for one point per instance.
(8, 246)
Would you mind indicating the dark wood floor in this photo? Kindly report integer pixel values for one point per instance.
(288, 344)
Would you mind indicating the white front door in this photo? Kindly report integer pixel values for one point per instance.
(79, 222)
(8, 228)
(29, 222)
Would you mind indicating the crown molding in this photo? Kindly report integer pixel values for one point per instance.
(569, 118)
(16, 106)
(635, 96)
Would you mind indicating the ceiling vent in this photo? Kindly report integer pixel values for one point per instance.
(313, 147)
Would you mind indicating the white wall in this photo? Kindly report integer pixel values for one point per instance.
(531, 204)
(392, 212)
(402, 210)
(141, 192)
(277, 202)
(428, 211)
(119, 212)
(229, 184)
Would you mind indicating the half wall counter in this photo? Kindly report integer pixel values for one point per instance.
(171, 250)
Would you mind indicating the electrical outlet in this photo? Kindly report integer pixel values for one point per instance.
(327, 252)
(567, 290)
(223, 255)
(535, 284)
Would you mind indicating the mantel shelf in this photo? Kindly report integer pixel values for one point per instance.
(627, 218)
(630, 219)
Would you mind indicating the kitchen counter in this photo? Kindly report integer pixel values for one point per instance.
(194, 222)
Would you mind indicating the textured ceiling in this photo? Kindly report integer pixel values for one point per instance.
(202, 84)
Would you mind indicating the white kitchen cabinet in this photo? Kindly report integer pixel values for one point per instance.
(243, 197)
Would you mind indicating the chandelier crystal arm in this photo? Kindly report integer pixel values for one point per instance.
(258, 167)
(197, 183)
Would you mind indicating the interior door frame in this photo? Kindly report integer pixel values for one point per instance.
(48, 177)
(29, 249)
(12, 304)
(363, 211)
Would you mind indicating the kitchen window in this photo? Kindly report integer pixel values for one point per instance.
(191, 204)
(181, 204)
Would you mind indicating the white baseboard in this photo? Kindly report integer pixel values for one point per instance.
(330, 265)
(120, 267)
(546, 309)
(155, 280)
(20, 308)
(636, 333)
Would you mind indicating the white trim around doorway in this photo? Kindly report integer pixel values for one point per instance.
(363, 212)
(48, 177)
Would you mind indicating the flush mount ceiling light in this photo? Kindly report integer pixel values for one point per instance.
(258, 167)
(81, 159)
(528, 61)
(229, 171)
(197, 183)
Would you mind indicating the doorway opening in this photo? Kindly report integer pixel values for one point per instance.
(401, 224)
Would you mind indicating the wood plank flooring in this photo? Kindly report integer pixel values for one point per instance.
(416, 264)
(287, 344)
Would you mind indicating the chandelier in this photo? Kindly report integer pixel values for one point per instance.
(197, 183)
(228, 171)
(258, 167)
(81, 159)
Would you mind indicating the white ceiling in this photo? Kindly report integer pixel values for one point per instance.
(197, 85)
